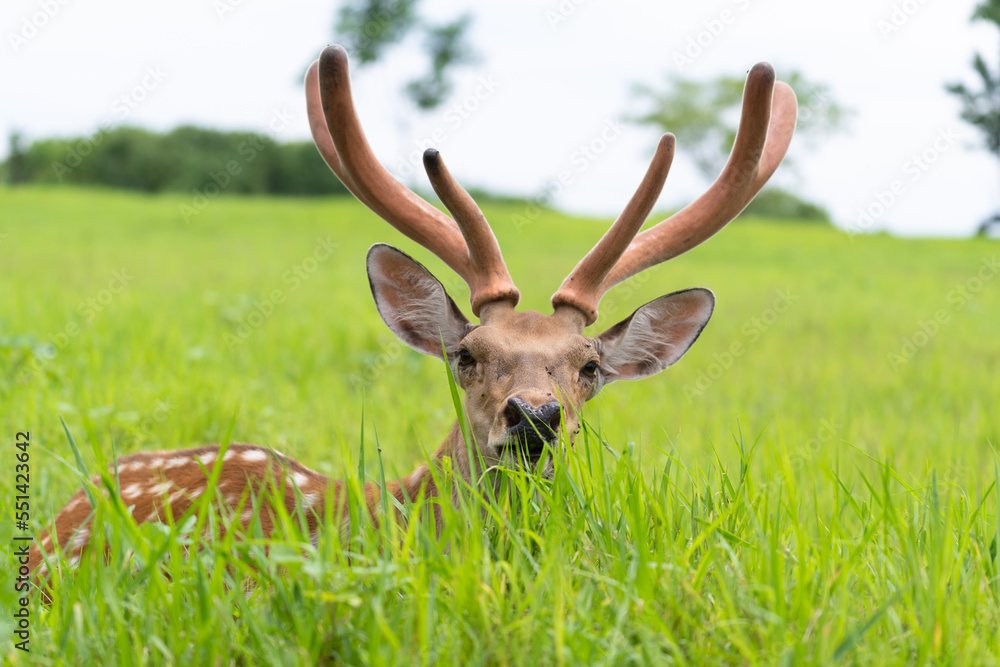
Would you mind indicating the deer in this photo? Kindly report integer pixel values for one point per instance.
(525, 375)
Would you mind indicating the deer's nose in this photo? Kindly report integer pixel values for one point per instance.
(531, 426)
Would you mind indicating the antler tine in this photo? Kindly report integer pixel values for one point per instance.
(489, 279)
(581, 289)
(766, 126)
(320, 132)
(342, 143)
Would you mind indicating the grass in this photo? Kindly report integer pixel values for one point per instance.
(815, 482)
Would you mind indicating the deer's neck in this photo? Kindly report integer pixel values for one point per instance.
(421, 480)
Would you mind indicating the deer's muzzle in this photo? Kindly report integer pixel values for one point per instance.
(530, 427)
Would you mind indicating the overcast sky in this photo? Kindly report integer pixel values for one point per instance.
(553, 77)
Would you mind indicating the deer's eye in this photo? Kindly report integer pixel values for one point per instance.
(590, 370)
(465, 358)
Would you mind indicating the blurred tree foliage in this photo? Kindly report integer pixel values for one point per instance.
(778, 204)
(369, 28)
(184, 160)
(13, 168)
(981, 108)
(705, 114)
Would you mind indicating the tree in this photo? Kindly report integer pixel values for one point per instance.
(981, 108)
(187, 159)
(369, 28)
(705, 114)
(14, 165)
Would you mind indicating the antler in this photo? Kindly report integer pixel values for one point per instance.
(469, 247)
(765, 131)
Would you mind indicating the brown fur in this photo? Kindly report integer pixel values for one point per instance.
(153, 483)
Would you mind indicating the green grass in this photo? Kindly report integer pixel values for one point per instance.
(809, 498)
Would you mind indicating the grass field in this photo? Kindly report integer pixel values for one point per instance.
(856, 522)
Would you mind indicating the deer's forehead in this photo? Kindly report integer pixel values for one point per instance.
(529, 334)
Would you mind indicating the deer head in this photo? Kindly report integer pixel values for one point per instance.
(527, 374)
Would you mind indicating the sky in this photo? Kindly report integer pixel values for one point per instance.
(553, 78)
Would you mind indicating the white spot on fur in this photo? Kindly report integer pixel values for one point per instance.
(252, 455)
(156, 463)
(154, 515)
(311, 499)
(47, 542)
(246, 516)
(81, 538)
(229, 454)
(314, 538)
(176, 462)
(300, 479)
(209, 458)
(132, 490)
(160, 489)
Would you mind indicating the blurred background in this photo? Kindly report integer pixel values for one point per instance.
(514, 93)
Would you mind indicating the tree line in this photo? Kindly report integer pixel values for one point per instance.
(185, 159)
(207, 163)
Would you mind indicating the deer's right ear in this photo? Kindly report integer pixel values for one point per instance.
(656, 335)
(413, 303)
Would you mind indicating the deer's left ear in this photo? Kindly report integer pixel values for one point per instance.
(413, 303)
(655, 336)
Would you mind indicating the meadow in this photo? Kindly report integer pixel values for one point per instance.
(814, 483)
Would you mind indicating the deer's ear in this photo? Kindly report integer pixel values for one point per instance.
(413, 303)
(655, 336)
